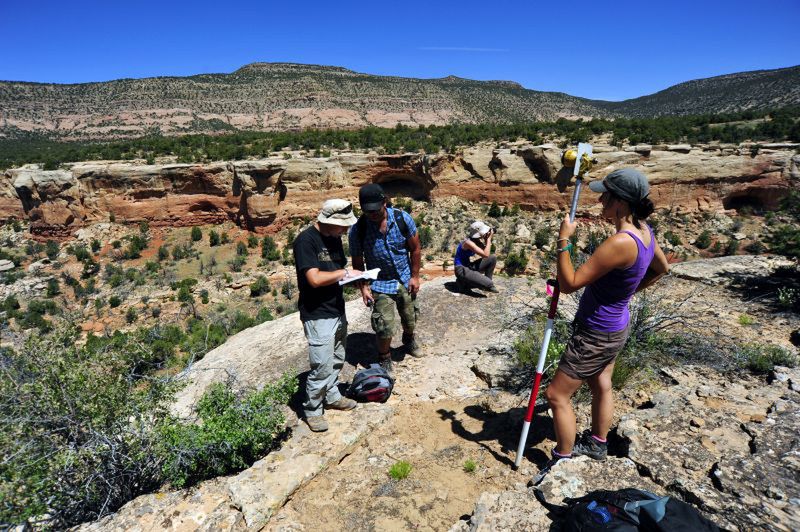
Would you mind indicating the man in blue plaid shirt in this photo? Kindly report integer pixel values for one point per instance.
(387, 238)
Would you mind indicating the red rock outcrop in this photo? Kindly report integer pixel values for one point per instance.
(264, 195)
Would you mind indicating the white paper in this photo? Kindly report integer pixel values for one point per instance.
(368, 275)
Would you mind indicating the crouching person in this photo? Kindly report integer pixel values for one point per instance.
(320, 265)
(478, 273)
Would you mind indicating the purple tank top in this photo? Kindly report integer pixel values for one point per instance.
(604, 304)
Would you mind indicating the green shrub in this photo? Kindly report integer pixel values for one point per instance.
(234, 432)
(672, 238)
(470, 466)
(704, 240)
(96, 452)
(51, 249)
(785, 240)
(269, 250)
(236, 263)
(213, 238)
(114, 301)
(163, 253)
(241, 249)
(425, 236)
(204, 296)
(53, 288)
(744, 319)
(515, 263)
(732, 247)
(541, 238)
(763, 358)
(259, 287)
(197, 234)
(252, 241)
(131, 314)
(755, 247)
(95, 245)
(400, 470)
(494, 210)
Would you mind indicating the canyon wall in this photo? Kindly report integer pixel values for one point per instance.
(264, 195)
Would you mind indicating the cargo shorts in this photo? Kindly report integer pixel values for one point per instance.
(383, 316)
(590, 351)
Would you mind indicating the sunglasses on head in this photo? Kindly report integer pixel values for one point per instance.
(344, 210)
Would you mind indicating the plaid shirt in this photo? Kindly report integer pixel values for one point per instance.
(388, 252)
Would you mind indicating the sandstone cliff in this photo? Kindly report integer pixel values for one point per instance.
(263, 195)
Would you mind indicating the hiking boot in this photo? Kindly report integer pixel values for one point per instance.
(317, 423)
(538, 477)
(589, 446)
(387, 366)
(343, 403)
(493, 289)
(412, 347)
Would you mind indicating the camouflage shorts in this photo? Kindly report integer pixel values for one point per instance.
(383, 317)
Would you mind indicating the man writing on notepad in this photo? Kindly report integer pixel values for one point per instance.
(320, 264)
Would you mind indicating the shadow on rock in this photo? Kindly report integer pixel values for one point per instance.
(504, 428)
(360, 349)
(452, 287)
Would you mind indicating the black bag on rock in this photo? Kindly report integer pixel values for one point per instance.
(627, 510)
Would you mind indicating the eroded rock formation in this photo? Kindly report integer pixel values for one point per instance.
(263, 195)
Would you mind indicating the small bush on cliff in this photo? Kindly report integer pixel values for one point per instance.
(259, 287)
(234, 431)
(213, 238)
(89, 430)
(269, 249)
(515, 262)
(704, 240)
(197, 234)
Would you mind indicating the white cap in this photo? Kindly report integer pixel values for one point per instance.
(478, 229)
(337, 212)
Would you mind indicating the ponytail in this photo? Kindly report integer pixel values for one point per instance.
(642, 210)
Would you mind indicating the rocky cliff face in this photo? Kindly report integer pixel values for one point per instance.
(263, 195)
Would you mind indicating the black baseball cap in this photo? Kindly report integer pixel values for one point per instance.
(627, 183)
(371, 197)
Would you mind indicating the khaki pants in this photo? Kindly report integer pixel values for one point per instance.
(326, 345)
(383, 317)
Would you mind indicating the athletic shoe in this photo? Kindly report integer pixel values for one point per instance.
(343, 403)
(588, 446)
(538, 477)
(317, 423)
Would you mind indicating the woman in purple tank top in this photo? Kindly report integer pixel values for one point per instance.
(625, 263)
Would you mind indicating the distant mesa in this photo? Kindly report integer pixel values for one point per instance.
(293, 96)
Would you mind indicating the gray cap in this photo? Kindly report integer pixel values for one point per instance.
(626, 183)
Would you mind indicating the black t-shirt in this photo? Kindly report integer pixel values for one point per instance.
(312, 250)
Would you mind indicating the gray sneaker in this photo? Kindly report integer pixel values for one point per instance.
(588, 446)
(343, 403)
(317, 423)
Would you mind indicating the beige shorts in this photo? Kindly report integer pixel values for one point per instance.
(589, 351)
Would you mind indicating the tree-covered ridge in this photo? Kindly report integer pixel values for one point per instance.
(262, 91)
(776, 125)
(721, 94)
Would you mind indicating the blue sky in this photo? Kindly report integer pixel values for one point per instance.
(613, 52)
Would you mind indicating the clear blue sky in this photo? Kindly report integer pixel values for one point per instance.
(612, 52)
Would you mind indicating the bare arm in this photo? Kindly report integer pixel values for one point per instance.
(415, 249)
(317, 278)
(618, 251)
(658, 268)
(475, 248)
